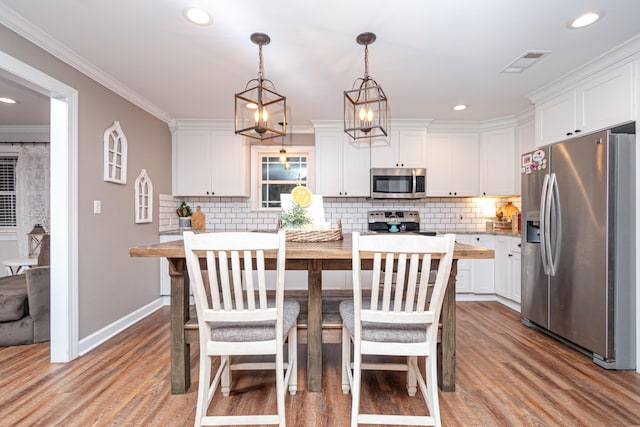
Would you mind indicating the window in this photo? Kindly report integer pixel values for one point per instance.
(8, 191)
(275, 178)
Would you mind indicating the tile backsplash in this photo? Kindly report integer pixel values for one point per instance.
(439, 214)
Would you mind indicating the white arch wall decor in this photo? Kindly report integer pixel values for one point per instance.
(144, 198)
(115, 154)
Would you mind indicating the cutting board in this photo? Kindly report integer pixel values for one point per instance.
(198, 219)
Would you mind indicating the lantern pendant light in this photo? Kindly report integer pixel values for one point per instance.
(366, 111)
(259, 108)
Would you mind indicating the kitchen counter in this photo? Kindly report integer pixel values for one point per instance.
(179, 231)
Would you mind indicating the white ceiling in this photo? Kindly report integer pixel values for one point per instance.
(429, 55)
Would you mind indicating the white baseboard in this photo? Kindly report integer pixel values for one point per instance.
(489, 297)
(509, 303)
(476, 297)
(92, 341)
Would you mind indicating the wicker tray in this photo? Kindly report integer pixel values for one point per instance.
(311, 236)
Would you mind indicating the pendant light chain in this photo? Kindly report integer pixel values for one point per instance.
(366, 62)
(260, 60)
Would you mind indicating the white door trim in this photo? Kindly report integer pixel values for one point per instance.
(64, 202)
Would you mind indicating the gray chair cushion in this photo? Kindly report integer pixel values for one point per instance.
(256, 331)
(382, 332)
(13, 298)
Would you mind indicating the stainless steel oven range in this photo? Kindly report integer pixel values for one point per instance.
(396, 221)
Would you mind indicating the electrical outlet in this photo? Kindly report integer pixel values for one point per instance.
(97, 206)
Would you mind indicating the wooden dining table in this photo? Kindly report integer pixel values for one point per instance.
(314, 258)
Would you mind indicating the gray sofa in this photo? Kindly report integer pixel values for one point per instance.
(24, 307)
(24, 303)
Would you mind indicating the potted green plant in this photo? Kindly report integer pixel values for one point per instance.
(184, 215)
(295, 217)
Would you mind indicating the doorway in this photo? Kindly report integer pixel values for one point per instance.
(64, 203)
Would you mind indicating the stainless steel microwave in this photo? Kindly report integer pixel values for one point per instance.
(398, 183)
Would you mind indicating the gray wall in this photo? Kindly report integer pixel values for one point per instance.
(111, 284)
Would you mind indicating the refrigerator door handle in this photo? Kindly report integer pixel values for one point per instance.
(543, 224)
(554, 201)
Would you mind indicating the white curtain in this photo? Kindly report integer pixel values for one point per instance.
(32, 192)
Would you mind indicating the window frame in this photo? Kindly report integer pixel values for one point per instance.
(260, 151)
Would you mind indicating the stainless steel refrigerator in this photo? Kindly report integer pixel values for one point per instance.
(578, 242)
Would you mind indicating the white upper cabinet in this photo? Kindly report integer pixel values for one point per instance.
(191, 162)
(498, 163)
(606, 100)
(596, 103)
(405, 148)
(452, 164)
(209, 160)
(342, 165)
(556, 119)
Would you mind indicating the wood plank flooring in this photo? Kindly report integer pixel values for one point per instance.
(507, 375)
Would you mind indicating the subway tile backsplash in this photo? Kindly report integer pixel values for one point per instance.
(468, 214)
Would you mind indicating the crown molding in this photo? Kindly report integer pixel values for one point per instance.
(35, 35)
(616, 57)
(472, 126)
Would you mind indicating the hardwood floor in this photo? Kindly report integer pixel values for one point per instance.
(507, 375)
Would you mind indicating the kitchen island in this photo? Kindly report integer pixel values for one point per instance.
(314, 258)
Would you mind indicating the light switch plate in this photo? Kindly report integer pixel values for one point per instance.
(97, 206)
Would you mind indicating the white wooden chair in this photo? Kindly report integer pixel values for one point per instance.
(400, 319)
(236, 318)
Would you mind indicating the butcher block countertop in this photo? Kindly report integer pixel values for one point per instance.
(340, 249)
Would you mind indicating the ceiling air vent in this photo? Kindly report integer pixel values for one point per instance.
(525, 61)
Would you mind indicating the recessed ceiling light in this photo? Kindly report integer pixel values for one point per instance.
(460, 107)
(197, 16)
(585, 19)
(8, 100)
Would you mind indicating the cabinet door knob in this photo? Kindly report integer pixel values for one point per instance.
(510, 254)
(569, 133)
(478, 239)
(577, 131)
(519, 245)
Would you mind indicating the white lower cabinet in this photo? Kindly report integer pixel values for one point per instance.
(165, 280)
(515, 257)
(483, 278)
(507, 267)
(475, 276)
(463, 276)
